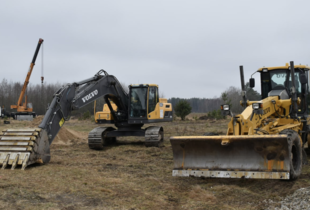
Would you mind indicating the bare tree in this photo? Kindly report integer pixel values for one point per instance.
(161, 94)
(233, 94)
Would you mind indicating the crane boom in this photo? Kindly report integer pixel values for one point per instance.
(23, 107)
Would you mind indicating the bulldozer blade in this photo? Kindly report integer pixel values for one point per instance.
(22, 147)
(250, 156)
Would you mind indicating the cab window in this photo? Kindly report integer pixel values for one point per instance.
(138, 102)
(297, 83)
(265, 78)
(153, 98)
(278, 79)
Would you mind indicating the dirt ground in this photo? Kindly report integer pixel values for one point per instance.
(130, 176)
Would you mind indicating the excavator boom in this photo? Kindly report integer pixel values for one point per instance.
(27, 146)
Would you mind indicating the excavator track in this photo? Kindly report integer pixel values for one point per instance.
(97, 139)
(21, 147)
(154, 136)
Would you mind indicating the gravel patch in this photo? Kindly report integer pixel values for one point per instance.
(300, 199)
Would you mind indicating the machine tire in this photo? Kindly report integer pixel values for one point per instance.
(295, 147)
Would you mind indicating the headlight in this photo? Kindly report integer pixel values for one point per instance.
(225, 107)
(257, 105)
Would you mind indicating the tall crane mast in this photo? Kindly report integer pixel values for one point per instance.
(24, 108)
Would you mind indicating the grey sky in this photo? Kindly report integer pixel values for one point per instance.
(190, 48)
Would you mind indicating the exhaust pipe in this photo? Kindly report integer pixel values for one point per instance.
(243, 93)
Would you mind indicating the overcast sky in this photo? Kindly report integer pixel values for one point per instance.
(189, 48)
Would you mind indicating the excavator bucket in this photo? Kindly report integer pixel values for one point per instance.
(249, 156)
(23, 147)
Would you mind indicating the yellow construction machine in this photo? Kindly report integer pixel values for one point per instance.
(129, 111)
(144, 106)
(105, 115)
(157, 106)
(24, 109)
(265, 141)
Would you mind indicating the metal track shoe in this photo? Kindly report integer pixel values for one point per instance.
(154, 136)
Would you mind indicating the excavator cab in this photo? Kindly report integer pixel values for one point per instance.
(146, 106)
(138, 102)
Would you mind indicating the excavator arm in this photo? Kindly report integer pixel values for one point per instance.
(28, 146)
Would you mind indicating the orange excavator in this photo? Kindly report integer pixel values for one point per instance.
(25, 110)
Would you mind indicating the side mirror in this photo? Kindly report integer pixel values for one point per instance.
(303, 79)
(252, 82)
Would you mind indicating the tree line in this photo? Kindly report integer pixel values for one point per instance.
(40, 95)
(199, 105)
(231, 96)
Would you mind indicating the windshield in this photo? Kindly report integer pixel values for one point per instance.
(278, 79)
(297, 82)
(138, 102)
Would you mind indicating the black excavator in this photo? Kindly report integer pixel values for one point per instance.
(134, 109)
